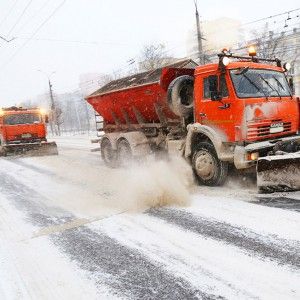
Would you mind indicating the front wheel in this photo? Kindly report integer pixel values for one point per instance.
(207, 166)
(2, 149)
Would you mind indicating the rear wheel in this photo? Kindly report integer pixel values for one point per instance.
(108, 154)
(124, 153)
(207, 167)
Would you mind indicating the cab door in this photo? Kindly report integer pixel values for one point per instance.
(218, 114)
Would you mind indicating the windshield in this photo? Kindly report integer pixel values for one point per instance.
(255, 83)
(19, 119)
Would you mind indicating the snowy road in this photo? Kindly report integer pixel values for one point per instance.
(72, 229)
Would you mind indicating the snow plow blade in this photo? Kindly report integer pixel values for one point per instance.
(279, 173)
(32, 149)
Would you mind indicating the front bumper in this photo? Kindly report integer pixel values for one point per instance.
(241, 160)
(21, 147)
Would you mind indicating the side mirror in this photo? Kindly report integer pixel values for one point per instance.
(291, 84)
(213, 88)
(46, 119)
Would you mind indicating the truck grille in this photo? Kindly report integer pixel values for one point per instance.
(262, 130)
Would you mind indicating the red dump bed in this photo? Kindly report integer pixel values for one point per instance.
(137, 98)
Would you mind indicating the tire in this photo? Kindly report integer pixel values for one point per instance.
(108, 154)
(208, 169)
(181, 96)
(2, 149)
(124, 153)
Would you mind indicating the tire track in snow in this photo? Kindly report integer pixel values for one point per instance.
(279, 202)
(283, 251)
(47, 172)
(29, 201)
(179, 255)
(24, 164)
(126, 271)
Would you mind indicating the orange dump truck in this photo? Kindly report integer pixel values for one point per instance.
(237, 113)
(24, 130)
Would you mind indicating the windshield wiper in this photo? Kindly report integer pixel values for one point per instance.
(279, 83)
(269, 84)
(241, 71)
(255, 85)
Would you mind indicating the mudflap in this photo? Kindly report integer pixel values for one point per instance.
(279, 173)
(42, 149)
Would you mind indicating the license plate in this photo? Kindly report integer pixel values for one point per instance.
(26, 135)
(276, 127)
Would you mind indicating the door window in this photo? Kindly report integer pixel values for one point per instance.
(209, 85)
(207, 88)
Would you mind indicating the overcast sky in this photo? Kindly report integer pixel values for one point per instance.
(80, 36)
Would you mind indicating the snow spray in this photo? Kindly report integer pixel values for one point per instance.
(156, 183)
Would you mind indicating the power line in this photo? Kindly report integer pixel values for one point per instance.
(20, 17)
(9, 12)
(230, 27)
(74, 41)
(36, 13)
(278, 37)
(62, 41)
(125, 67)
(6, 40)
(277, 34)
(270, 17)
(286, 36)
(34, 33)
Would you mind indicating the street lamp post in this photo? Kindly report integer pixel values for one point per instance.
(53, 117)
(199, 36)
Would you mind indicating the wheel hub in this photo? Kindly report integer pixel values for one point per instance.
(205, 165)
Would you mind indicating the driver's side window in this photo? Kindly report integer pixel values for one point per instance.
(210, 84)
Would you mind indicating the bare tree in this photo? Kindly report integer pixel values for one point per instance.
(272, 44)
(283, 45)
(153, 56)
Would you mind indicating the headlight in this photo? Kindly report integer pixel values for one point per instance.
(253, 156)
(287, 66)
(43, 111)
(225, 61)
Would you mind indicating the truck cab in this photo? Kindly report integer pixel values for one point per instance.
(244, 111)
(22, 126)
(22, 129)
(246, 101)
